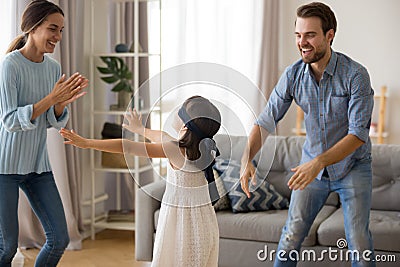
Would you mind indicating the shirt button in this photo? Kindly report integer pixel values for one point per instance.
(322, 129)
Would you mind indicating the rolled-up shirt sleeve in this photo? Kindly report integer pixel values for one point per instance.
(59, 122)
(278, 104)
(19, 119)
(24, 115)
(360, 105)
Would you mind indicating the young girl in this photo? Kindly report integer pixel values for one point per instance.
(187, 233)
(33, 98)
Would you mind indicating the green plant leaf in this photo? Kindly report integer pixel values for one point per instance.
(110, 79)
(106, 60)
(128, 87)
(104, 70)
(120, 61)
(119, 87)
(119, 71)
(124, 68)
(113, 64)
(127, 75)
(119, 66)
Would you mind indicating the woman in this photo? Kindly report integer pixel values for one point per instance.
(33, 98)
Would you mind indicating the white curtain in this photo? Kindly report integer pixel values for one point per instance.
(269, 60)
(64, 161)
(5, 31)
(226, 32)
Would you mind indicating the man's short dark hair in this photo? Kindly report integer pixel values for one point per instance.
(320, 10)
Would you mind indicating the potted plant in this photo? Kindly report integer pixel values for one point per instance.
(118, 74)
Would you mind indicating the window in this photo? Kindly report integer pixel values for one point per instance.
(5, 29)
(225, 32)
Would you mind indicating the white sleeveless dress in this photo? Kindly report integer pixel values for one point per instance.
(187, 231)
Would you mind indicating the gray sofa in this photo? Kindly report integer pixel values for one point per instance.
(247, 239)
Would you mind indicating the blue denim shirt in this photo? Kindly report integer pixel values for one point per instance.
(340, 104)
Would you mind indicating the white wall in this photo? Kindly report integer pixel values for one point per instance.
(367, 32)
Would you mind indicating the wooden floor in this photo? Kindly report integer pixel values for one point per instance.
(111, 248)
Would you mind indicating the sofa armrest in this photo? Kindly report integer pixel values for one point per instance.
(147, 202)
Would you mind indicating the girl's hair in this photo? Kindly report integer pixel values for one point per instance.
(206, 117)
(34, 15)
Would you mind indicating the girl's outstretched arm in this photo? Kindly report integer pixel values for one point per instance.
(107, 145)
(142, 149)
(134, 125)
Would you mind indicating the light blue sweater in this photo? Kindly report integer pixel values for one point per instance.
(23, 142)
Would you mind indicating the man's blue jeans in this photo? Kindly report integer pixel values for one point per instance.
(45, 200)
(355, 195)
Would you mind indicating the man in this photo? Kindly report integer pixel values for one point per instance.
(336, 96)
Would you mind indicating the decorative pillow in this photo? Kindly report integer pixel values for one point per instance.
(223, 203)
(263, 195)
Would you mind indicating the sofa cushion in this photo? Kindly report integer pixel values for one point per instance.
(276, 159)
(156, 215)
(223, 203)
(264, 195)
(384, 226)
(278, 155)
(230, 147)
(265, 226)
(386, 177)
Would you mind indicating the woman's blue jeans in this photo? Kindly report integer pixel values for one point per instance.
(42, 193)
(355, 195)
